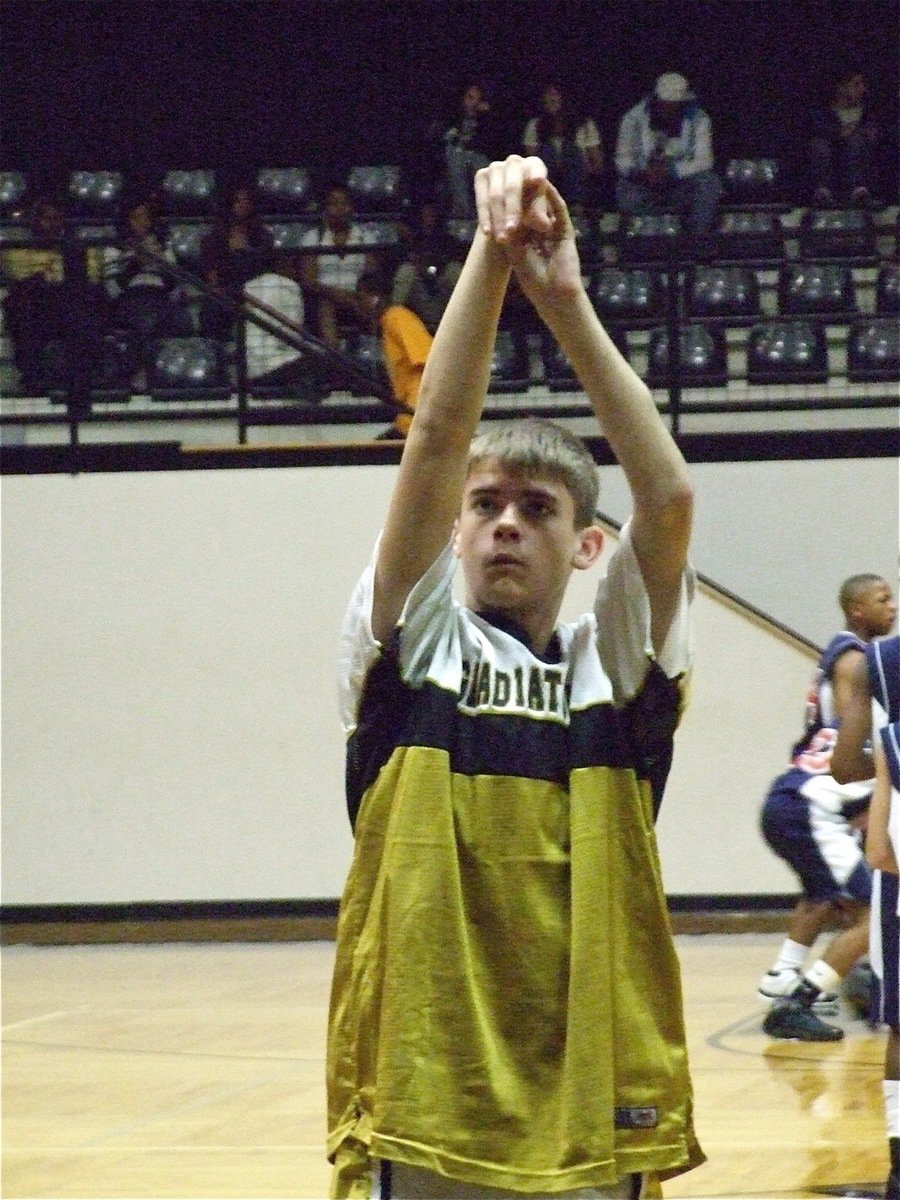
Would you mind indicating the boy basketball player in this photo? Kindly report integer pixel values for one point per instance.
(506, 1013)
(811, 822)
(870, 720)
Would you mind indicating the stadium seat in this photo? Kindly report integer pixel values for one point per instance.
(725, 293)
(111, 378)
(784, 352)
(873, 350)
(810, 288)
(836, 233)
(187, 368)
(558, 373)
(649, 237)
(13, 194)
(283, 191)
(887, 290)
(185, 242)
(629, 298)
(508, 372)
(375, 188)
(587, 237)
(703, 359)
(364, 349)
(113, 364)
(461, 230)
(381, 233)
(752, 181)
(189, 193)
(95, 195)
(750, 236)
(289, 235)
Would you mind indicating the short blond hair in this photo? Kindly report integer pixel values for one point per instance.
(537, 446)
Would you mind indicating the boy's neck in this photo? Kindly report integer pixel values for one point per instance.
(545, 646)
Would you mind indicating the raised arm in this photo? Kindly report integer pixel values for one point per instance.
(546, 264)
(428, 491)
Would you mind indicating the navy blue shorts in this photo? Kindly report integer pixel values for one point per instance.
(819, 847)
(884, 951)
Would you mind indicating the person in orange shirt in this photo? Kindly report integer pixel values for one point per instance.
(405, 343)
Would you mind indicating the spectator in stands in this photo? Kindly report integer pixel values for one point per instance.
(664, 156)
(569, 144)
(519, 319)
(238, 244)
(145, 296)
(405, 343)
(428, 274)
(469, 144)
(235, 250)
(54, 300)
(274, 363)
(843, 144)
(330, 279)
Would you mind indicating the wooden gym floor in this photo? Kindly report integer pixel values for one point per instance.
(181, 1070)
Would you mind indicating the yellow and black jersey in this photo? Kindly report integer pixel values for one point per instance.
(506, 1006)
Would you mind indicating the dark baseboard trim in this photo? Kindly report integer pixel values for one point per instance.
(173, 921)
(305, 920)
(776, 445)
(736, 902)
(167, 910)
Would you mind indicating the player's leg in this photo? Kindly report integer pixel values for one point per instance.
(836, 868)
(785, 826)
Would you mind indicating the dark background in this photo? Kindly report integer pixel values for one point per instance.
(145, 85)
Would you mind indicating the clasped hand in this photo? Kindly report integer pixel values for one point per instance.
(524, 214)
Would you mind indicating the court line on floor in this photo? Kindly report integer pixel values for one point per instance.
(51, 1016)
(160, 1052)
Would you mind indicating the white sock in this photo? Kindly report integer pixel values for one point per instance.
(822, 976)
(791, 956)
(891, 1089)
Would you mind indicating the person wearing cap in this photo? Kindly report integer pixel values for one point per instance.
(664, 156)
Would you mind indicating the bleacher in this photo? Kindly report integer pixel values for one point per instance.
(785, 316)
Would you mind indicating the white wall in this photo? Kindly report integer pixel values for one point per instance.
(169, 716)
(783, 536)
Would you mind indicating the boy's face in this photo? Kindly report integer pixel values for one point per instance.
(517, 542)
(876, 609)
